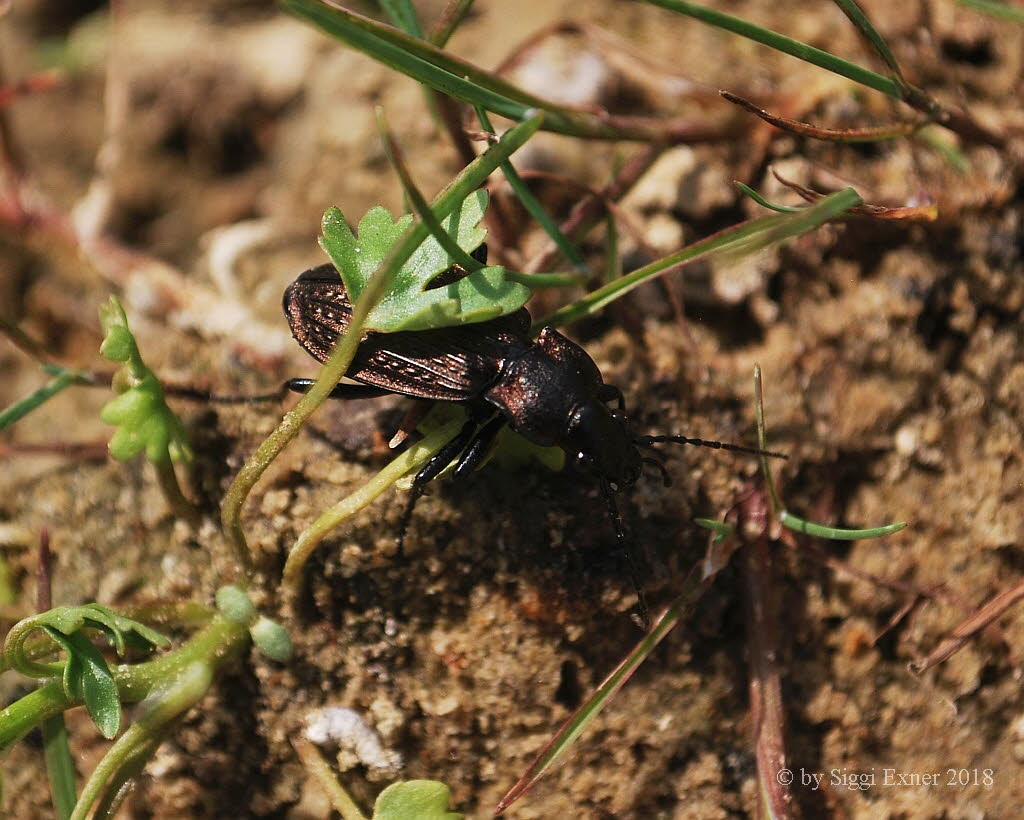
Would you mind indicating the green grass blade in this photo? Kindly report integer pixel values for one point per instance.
(401, 52)
(533, 206)
(762, 440)
(870, 33)
(995, 9)
(60, 767)
(837, 534)
(592, 707)
(462, 80)
(787, 45)
(742, 239)
(403, 15)
(764, 203)
(419, 204)
(64, 378)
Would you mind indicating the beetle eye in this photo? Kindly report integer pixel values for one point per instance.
(584, 461)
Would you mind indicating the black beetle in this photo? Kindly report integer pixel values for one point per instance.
(548, 390)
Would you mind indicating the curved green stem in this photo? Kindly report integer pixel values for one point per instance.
(412, 459)
(166, 703)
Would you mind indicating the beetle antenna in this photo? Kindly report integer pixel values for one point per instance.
(623, 542)
(647, 441)
(665, 477)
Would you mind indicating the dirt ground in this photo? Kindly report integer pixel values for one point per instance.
(893, 378)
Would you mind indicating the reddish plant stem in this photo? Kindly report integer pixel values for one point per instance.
(767, 710)
(44, 565)
(967, 629)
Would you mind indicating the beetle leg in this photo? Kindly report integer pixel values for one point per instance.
(609, 392)
(624, 548)
(478, 448)
(431, 470)
(666, 479)
(341, 391)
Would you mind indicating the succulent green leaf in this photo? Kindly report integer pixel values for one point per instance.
(118, 344)
(422, 799)
(408, 304)
(235, 604)
(271, 639)
(145, 423)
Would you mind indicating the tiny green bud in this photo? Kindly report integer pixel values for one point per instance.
(234, 604)
(271, 639)
(118, 344)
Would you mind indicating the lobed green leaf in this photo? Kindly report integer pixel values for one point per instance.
(409, 303)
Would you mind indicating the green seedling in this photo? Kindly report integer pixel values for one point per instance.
(85, 675)
(145, 424)
(166, 687)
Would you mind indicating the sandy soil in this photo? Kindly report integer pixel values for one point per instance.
(893, 378)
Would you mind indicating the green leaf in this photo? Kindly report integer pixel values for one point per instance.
(87, 676)
(789, 520)
(60, 766)
(419, 799)
(408, 304)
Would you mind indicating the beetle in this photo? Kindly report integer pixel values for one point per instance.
(547, 389)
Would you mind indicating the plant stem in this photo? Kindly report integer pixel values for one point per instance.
(167, 702)
(171, 489)
(412, 459)
(321, 772)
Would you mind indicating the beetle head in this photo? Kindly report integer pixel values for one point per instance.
(599, 440)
